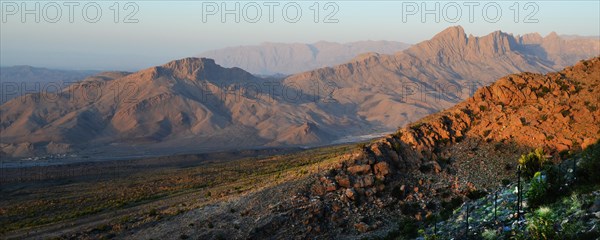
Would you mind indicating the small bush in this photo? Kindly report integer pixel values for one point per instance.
(407, 228)
(397, 147)
(417, 127)
(427, 236)
(410, 208)
(532, 162)
(543, 91)
(449, 206)
(541, 225)
(572, 229)
(590, 106)
(487, 132)
(489, 234)
(538, 190)
(153, 212)
(589, 164)
(524, 121)
(564, 154)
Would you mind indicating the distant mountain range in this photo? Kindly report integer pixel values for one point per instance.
(290, 58)
(392, 90)
(13, 78)
(194, 104)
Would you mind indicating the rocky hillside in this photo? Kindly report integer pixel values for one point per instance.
(438, 162)
(395, 185)
(571, 208)
(282, 58)
(557, 111)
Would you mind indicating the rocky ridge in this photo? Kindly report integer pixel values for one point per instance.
(414, 172)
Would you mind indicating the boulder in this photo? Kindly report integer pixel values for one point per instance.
(587, 142)
(318, 189)
(362, 227)
(330, 184)
(365, 181)
(351, 194)
(381, 169)
(343, 180)
(370, 192)
(359, 169)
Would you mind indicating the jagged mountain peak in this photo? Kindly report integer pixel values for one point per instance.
(453, 41)
(497, 42)
(189, 67)
(452, 35)
(193, 68)
(530, 37)
(451, 31)
(552, 35)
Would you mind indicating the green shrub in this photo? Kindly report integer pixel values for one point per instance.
(545, 186)
(449, 206)
(489, 234)
(153, 212)
(427, 236)
(532, 162)
(590, 164)
(541, 224)
(538, 190)
(555, 180)
(571, 229)
(407, 228)
(397, 146)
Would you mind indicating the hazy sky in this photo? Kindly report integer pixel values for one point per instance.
(167, 30)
